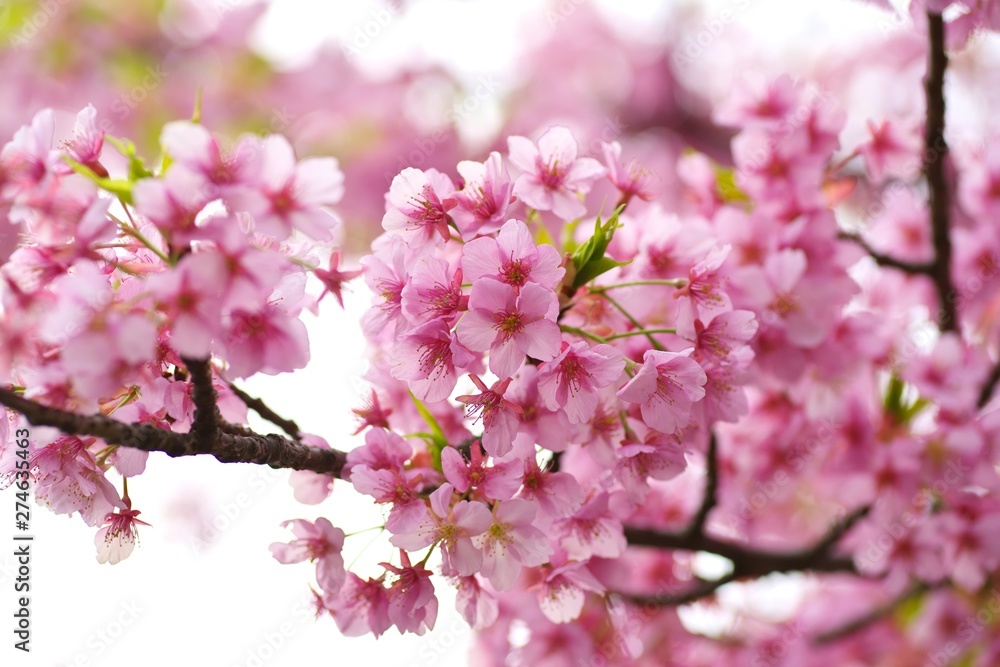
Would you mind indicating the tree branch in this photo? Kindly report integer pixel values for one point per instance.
(272, 450)
(747, 561)
(702, 589)
(261, 408)
(991, 382)
(935, 157)
(207, 420)
(877, 614)
(710, 499)
(925, 268)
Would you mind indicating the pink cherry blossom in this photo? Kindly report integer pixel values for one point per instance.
(311, 488)
(266, 340)
(665, 387)
(316, 541)
(68, 480)
(401, 488)
(417, 206)
(510, 324)
(333, 279)
(428, 358)
(172, 203)
(632, 180)
(498, 480)
(512, 258)
(561, 594)
(383, 450)
(190, 295)
(23, 160)
(116, 539)
(891, 151)
(477, 607)
(571, 380)
(452, 527)
(412, 604)
(192, 147)
(552, 174)
(290, 195)
(499, 416)
(485, 195)
(592, 531)
(511, 542)
(87, 143)
(556, 494)
(432, 292)
(361, 606)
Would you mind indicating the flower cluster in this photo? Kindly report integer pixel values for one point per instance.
(475, 310)
(107, 284)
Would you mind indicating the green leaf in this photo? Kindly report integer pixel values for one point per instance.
(589, 259)
(118, 187)
(725, 184)
(136, 167)
(196, 116)
(435, 439)
(595, 268)
(908, 610)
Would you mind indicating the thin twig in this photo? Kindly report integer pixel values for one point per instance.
(877, 614)
(914, 268)
(261, 408)
(710, 498)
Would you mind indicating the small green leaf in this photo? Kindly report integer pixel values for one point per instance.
(136, 167)
(589, 259)
(435, 439)
(595, 268)
(908, 610)
(118, 187)
(725, 184)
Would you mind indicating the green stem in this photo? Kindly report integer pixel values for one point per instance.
(642, 332)
(672, 282)
(134, 232)
(584, 334)
(656, 345)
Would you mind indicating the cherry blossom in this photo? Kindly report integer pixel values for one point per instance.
(553, 174)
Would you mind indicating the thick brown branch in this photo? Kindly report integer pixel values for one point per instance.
(261, 408)
(935, 159)
(272, 450)
(207, 420)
